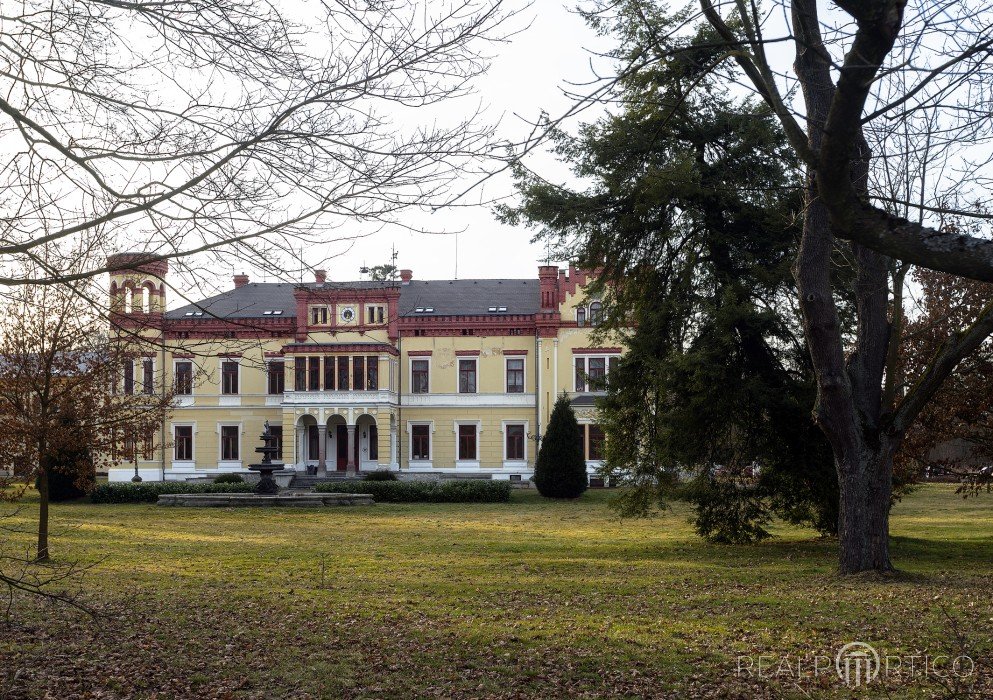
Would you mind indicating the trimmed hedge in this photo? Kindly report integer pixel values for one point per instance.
(475, 491)
(379, 475)
(229, 479)
(126, 492)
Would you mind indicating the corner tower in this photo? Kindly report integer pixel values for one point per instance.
(137, 284)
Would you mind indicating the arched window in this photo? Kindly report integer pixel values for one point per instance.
(596, 313)
(146, 300)
(128, 299)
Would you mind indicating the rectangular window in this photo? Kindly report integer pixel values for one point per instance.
(276, 377)
(148, 376)
(582, 440)
(372, 373)
(467, 376)
(128, 377)
(229, 377)
(515, 375)
(597, 371)
(300, 374)
(373, 443)
(313, 443)
(581, 316)
(419, 376)
(182, 448)
(420, 442)
(342, 374)
(515, 442)
(329, 374)
(612, 364)
(467, 441)
(184, 378)
(314, 373)
(358, 373)
(229, 442)
(596, 443)
(375, 314)
(276, 431)
(580, 374)
(318, 315)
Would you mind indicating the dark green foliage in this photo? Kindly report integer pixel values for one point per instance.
(560, 471)
(149, 492)
(691, 214)
(728, 510)
(467, 491)
(379, 475)
(229, 479)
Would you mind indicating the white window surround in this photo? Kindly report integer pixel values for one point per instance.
(429, 462)
(183, 464)
(467, 463)
(508, 358)
(231, 463)
(410, 372)
(458, 363)
(220, 384)
(586, 368)
(514, 463)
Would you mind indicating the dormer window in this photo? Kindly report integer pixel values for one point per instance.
(596, 313)
(581, 316)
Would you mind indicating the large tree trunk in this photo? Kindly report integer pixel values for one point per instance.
(864, 527)
(43, 515)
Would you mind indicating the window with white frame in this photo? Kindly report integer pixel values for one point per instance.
(230, 443)
(420, 371)
(467, 436)
(229, 377)
(467, 375)
(420, 442)
(184, 378)
(515, 375)
(182, 443)
(515, 442)
(276, 377)
(375, 314)
(591, 371)
(318, 315)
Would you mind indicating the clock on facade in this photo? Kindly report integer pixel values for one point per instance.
(348, 314)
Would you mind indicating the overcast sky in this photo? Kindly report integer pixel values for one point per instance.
(527, 75)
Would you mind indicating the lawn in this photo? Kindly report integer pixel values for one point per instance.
(526, 599)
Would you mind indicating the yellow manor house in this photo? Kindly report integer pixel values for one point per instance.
(445, 376)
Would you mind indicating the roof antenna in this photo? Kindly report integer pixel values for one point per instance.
(456, 255)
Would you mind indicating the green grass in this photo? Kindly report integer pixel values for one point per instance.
(526, 599)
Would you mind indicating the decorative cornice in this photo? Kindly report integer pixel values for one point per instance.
(420, 353)
(597, 351)
(515, 352)
(467, 353)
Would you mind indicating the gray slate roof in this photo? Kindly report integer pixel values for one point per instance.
(443, 297)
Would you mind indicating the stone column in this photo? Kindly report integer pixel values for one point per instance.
(322, 449)
(350, 466)
(301, 438)
(393, 444)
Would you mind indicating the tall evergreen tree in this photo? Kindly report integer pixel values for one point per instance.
(691, 217)
(560, 471)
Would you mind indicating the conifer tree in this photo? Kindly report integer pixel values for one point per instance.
(560, 471)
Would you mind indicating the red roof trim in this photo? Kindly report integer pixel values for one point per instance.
(597, 351)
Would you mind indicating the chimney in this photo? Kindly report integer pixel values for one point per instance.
(320, 276)
(240, 280)
(406, 276)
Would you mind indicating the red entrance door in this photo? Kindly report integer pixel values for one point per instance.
(341, 440)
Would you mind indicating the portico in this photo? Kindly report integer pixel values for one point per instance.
(343, 439)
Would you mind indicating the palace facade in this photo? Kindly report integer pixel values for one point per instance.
(413, 375)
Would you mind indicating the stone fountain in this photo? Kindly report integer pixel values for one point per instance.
(267, 485)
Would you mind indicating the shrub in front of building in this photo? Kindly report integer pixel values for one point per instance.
(380, 475)
(149, 492)
(229, 479)
(474, 491)
(560, 471)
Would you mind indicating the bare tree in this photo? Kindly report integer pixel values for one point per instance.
(183, 127)
(65, 402)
